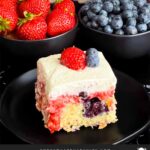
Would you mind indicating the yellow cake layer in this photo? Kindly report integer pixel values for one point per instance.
(72, 118)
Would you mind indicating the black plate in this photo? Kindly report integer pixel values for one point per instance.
(18, 113)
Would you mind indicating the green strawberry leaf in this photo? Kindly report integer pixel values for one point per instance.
(4, 24)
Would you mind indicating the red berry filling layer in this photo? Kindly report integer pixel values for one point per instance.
(55, 107)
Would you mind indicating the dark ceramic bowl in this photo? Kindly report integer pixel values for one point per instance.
(32, 50)
(119, 46)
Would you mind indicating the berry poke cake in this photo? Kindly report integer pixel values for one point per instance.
(75, 88)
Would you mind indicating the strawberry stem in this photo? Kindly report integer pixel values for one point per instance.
(20, 1)
(21, 21)
(28, 16)
(4, 24)
(58, 1)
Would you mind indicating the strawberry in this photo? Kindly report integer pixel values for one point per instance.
(59, 22)
(9, 4)
(37, 7)
(32, 27)
(67, 5)
(8, 20)
(73, 58)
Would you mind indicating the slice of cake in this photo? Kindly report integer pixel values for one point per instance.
(74, 89)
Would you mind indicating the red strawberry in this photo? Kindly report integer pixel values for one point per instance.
(35, 6)
(8, 20)
(73, 58)
(32, 28)
(67, 5)
(59, 22)
(9, 4)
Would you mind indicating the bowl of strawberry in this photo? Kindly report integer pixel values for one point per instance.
(36, 28)
(121, 28)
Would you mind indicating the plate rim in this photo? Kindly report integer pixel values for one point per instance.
(23, 138)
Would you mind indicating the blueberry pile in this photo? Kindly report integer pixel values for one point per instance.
(92, 107)
(120, 17)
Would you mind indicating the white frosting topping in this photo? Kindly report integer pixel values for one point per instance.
(61, 80)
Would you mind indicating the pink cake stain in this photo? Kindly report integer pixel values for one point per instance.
(104, 95)
(55, 108)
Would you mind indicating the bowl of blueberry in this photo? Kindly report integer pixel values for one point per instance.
(121, 28)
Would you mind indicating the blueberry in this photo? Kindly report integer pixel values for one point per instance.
(102, 20)
(96, 105)
(118, 16)
(111, 15)
(109, 19)
(92, 57)
(135, 14)
(131, 21)
(131, 30)
(85, 19)
(119, 32)
(148, 26)
(139, 3)
(117, 22)
(87, 105)
(89, 24)
(144, 18)
(124, 1)
(93, 107)
(132, 1)
(105, 109)
(108, 6)
(97, 108)
(108, 29)
(144, 10)
(89, 3)
(95, 18)
(127, 6)
(127, 14)
(116, 9)
(124, 27)
(134, 8)
(103, 13)
(90, 14)
(94, 25)
(89, 114)
(142, 28)
(96, 1)
(95, 8)
(83, 94)
(84, 9)
(92, 52)
(115, 2)
(147, 5)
